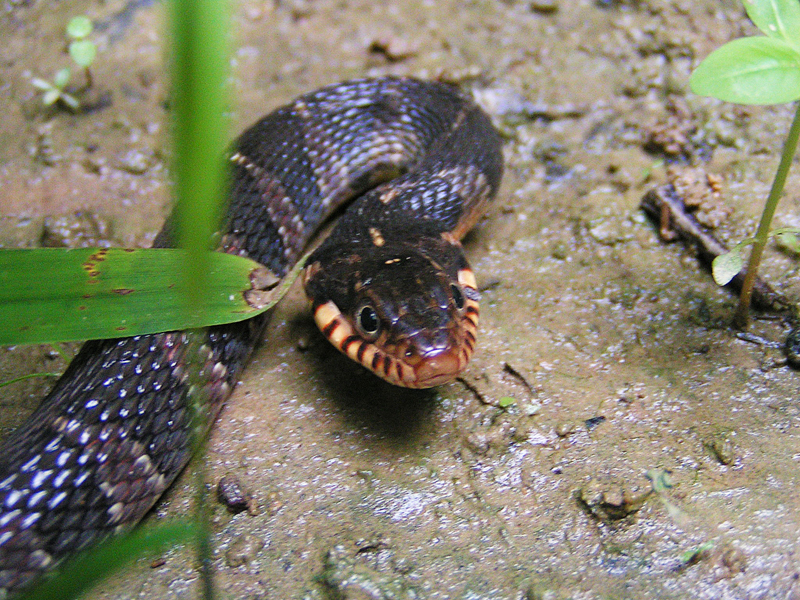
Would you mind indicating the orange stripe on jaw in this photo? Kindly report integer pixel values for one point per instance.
(344, 337)
(470, 315)
(328, 330)
(387, 366)
(347, 343)
(469, 342)
(331, 322)
(471, 310)
(467, 279)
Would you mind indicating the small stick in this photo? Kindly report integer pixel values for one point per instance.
(668, 211)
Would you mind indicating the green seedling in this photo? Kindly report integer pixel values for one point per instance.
(82, 50)
(56, 91)
(692, 555)
(757, 70)
(506, 402)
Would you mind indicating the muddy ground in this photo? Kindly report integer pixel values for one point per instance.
(604, 354)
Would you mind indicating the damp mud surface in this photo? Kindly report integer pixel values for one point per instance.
(613, 436)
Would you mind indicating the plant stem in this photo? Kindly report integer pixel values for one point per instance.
(203, 541)
(741, 317)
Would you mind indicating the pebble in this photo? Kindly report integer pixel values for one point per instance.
(723, 450)
(564, 429)
(234, 495)
(792, 348)
(610, 501)
(135, 162)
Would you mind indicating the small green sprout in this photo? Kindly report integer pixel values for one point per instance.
(55, 91)
(506, 402)
(727, 266)
(757, 70)
(692, 555)
(82, 50)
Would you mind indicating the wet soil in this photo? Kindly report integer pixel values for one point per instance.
(606, 366)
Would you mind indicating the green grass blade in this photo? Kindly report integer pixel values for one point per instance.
(199, 69)
(82, 572)
(776, 18)
(49, 294)
(199, 61)
(752, 70)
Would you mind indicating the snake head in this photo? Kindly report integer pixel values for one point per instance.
(406, 310)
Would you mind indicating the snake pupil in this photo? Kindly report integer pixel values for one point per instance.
(458, 297)
(368, 320)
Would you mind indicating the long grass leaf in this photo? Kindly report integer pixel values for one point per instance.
(85, 570)
(50, 295)
(199, 56)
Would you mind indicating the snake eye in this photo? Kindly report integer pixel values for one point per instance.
(367, 320)
(458, 296)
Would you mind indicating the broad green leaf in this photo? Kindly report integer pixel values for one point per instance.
(83, 52)
(89, 568)
(752, 70)
(777, 18)
(691, 555)
(53, 294)
(726, 266)
(506, 401)
(79, 27)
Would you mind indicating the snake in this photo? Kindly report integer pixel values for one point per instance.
(414, 163)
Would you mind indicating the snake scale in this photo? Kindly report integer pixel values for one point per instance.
(389, 287)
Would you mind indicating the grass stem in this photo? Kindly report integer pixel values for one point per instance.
(199, 73)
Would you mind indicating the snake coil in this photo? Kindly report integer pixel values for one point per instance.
(390, 287)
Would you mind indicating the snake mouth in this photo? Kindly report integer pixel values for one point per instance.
(398, 363)
(439, 368)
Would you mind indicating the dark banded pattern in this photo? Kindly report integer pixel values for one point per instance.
(115, 430)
